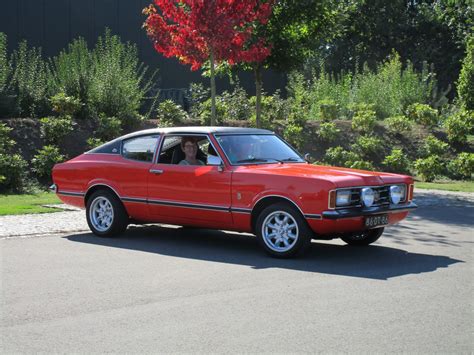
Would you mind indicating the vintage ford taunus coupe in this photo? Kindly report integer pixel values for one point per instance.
(248, 180)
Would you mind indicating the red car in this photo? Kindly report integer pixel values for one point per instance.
(240, 179)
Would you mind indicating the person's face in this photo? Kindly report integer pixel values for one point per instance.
(190, 150)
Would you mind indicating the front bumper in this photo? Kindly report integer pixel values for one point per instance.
(367, 211)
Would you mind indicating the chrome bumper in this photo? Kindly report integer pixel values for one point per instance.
(367, 211)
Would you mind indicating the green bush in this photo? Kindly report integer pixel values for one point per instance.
(44, 161)
(390, 88)
(13, 173)
(361, 165)
(205, 112)
(13, 167)
(423, 114)
(398, 124)
(433, 146)
(236, 104)
(5, 72)
(170, 114)
(462, 167)
(364, 118)
(107, 127)
(465, 83)
(65, 105)
(197, 94)
(274, 108)
(29, 81)
(367, 145)
(459, 125)
(93, 142)
(54, 129)
(338, 156)
(429, 168)
(328, 110)
(328, 132)
(397, 162)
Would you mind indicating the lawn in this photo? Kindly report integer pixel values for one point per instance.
(463, 186)
(22, 204)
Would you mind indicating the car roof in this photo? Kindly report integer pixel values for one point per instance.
(198, 130)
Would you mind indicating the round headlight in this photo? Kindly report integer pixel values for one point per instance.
(396, 194)
(367, 196)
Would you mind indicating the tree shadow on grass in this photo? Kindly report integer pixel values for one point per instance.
(373, 262)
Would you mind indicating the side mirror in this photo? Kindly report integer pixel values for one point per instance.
(307, 157)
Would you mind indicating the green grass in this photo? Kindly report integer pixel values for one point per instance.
(22, 204)
(463, 186)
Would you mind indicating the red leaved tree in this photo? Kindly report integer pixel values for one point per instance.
(195, 31)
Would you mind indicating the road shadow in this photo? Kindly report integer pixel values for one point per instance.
(446, 209)
(373, 262)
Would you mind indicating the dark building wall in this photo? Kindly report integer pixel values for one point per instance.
(52, 24)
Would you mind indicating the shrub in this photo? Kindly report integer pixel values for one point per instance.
(429, 168)
(44, 161)
(361, 165)
(338, 156)
(367, 145)
(423, 114)
(397, 162)
(107, 127)
(93, 142)
(236, 104)
(433, 146)
(54, 129)
(13, 172)
(5, 72)
(462, 167)
(205, 112)
(364, 118)
(328, 110)
(170, 114)
(465, 83)
(65, 105)
(197, 94)
(459, 125)
(274, 108)
(398, 124)
(119, 82)
(6, 143)
(328, 131)
(29, 81)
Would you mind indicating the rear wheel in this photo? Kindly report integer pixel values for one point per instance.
(363, 238)
(105, 214)
(282, 231)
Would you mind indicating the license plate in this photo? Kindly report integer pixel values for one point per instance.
(375, 221)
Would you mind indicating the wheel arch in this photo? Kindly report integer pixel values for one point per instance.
(268, 200)
(100, 186)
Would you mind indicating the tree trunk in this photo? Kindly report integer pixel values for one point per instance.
(258, 94)
(213, 90)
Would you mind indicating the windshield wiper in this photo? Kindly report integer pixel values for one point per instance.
(252, 160)
(291, 159)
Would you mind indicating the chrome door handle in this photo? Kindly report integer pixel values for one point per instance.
(156, 171)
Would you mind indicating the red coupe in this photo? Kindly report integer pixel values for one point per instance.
(240, 179)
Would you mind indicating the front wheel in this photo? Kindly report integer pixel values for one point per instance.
(363, 238)
(282, 231)
(106, 215)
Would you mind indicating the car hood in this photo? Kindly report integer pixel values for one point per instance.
(340, 177)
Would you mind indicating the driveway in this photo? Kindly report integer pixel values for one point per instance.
(171, 289)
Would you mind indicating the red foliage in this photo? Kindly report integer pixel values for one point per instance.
(190, 29)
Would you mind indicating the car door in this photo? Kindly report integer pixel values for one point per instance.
(189, 194)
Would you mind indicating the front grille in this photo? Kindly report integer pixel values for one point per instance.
(382, 196)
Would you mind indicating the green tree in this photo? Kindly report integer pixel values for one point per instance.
(466, 78)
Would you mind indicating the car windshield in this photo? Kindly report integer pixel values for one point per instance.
(257, 149)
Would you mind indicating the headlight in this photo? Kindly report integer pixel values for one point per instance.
(367, 196)
(397, 193)
(343, 197)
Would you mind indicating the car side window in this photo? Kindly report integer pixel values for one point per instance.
(173, 150)
(140, 148)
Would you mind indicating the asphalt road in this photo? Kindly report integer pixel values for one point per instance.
(163, 289)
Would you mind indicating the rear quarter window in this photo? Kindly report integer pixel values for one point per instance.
(140, 148)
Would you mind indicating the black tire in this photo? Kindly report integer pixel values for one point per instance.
(117, 220)
(271, 244)
(363, 238)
